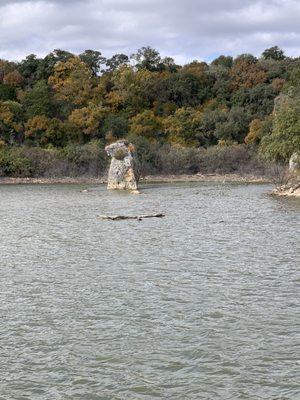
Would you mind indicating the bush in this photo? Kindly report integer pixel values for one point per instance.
(120, 154)
(14, 163)
(215, 159)
(177, 160)
(89, 159)
(46, 162)
(73, 160)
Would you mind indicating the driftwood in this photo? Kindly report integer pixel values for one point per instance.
(138, 217)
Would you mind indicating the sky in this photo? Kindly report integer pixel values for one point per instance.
(183, 29)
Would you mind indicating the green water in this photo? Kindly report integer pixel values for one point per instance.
(203, 304)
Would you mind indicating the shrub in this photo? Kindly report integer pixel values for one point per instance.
(74, 160)
(120, 154)
(14, 163)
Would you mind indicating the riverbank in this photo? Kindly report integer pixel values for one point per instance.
(288, 190)
(147, 179)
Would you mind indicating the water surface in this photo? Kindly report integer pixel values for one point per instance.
(203, 304)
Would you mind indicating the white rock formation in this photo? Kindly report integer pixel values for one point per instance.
(123, 172)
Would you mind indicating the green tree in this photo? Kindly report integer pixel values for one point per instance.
(93, 59)
(132, 90)
(28, 68)
(38, 101)
(210, 120)
(114, 126)
(235, 128)
(7, 92)
(46, 65)
(116, 61)
(284, 139)
(258, 101)
(274, 53)
(222, 86)
(147, 58)
(223, 61)
(293, 84)
(185, 88)
(183, 126)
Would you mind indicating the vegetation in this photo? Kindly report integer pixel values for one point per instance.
(58, 112)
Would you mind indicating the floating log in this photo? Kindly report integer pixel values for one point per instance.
(138, 217)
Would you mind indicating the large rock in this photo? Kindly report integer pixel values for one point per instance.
(123, 172)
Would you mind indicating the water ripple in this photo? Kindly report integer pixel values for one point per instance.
(202, 304)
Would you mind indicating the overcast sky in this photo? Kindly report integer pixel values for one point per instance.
(183, 29)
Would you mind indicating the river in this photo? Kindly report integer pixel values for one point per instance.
(201, 304)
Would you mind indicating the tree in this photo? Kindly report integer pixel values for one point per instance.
(147, 58)
(43, 131)
(168, 63)
(223, 61)
(38, 100)
(284, 139)
(186, 88)
(36, 128)
(222, 87)
(274, 69)
(46, 65)
(11, 126)
(71, 82)
(13, 78)
(7, 92)
(132, 90)
(258, 101)
(28, 68)
(68, 100)
(246, 72)
(87, 122)
(93, 59)
(211, 119)
(183, 127)
(235, 128)
(274, 53)
(116, 61)
(293, 84)
(254, 134)
(114, 126)
(5, 68)
(146, 124)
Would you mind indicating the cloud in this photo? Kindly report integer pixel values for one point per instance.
(186, 30)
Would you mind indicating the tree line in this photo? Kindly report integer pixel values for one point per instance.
(64, 104)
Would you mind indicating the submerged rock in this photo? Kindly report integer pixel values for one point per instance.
(123, 171)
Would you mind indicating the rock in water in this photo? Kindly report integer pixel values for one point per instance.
(123, 172)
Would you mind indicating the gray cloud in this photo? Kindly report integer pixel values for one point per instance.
(186, 30)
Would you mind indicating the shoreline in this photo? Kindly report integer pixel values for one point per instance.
(287, 191)
(224, 178)
(283, 191)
